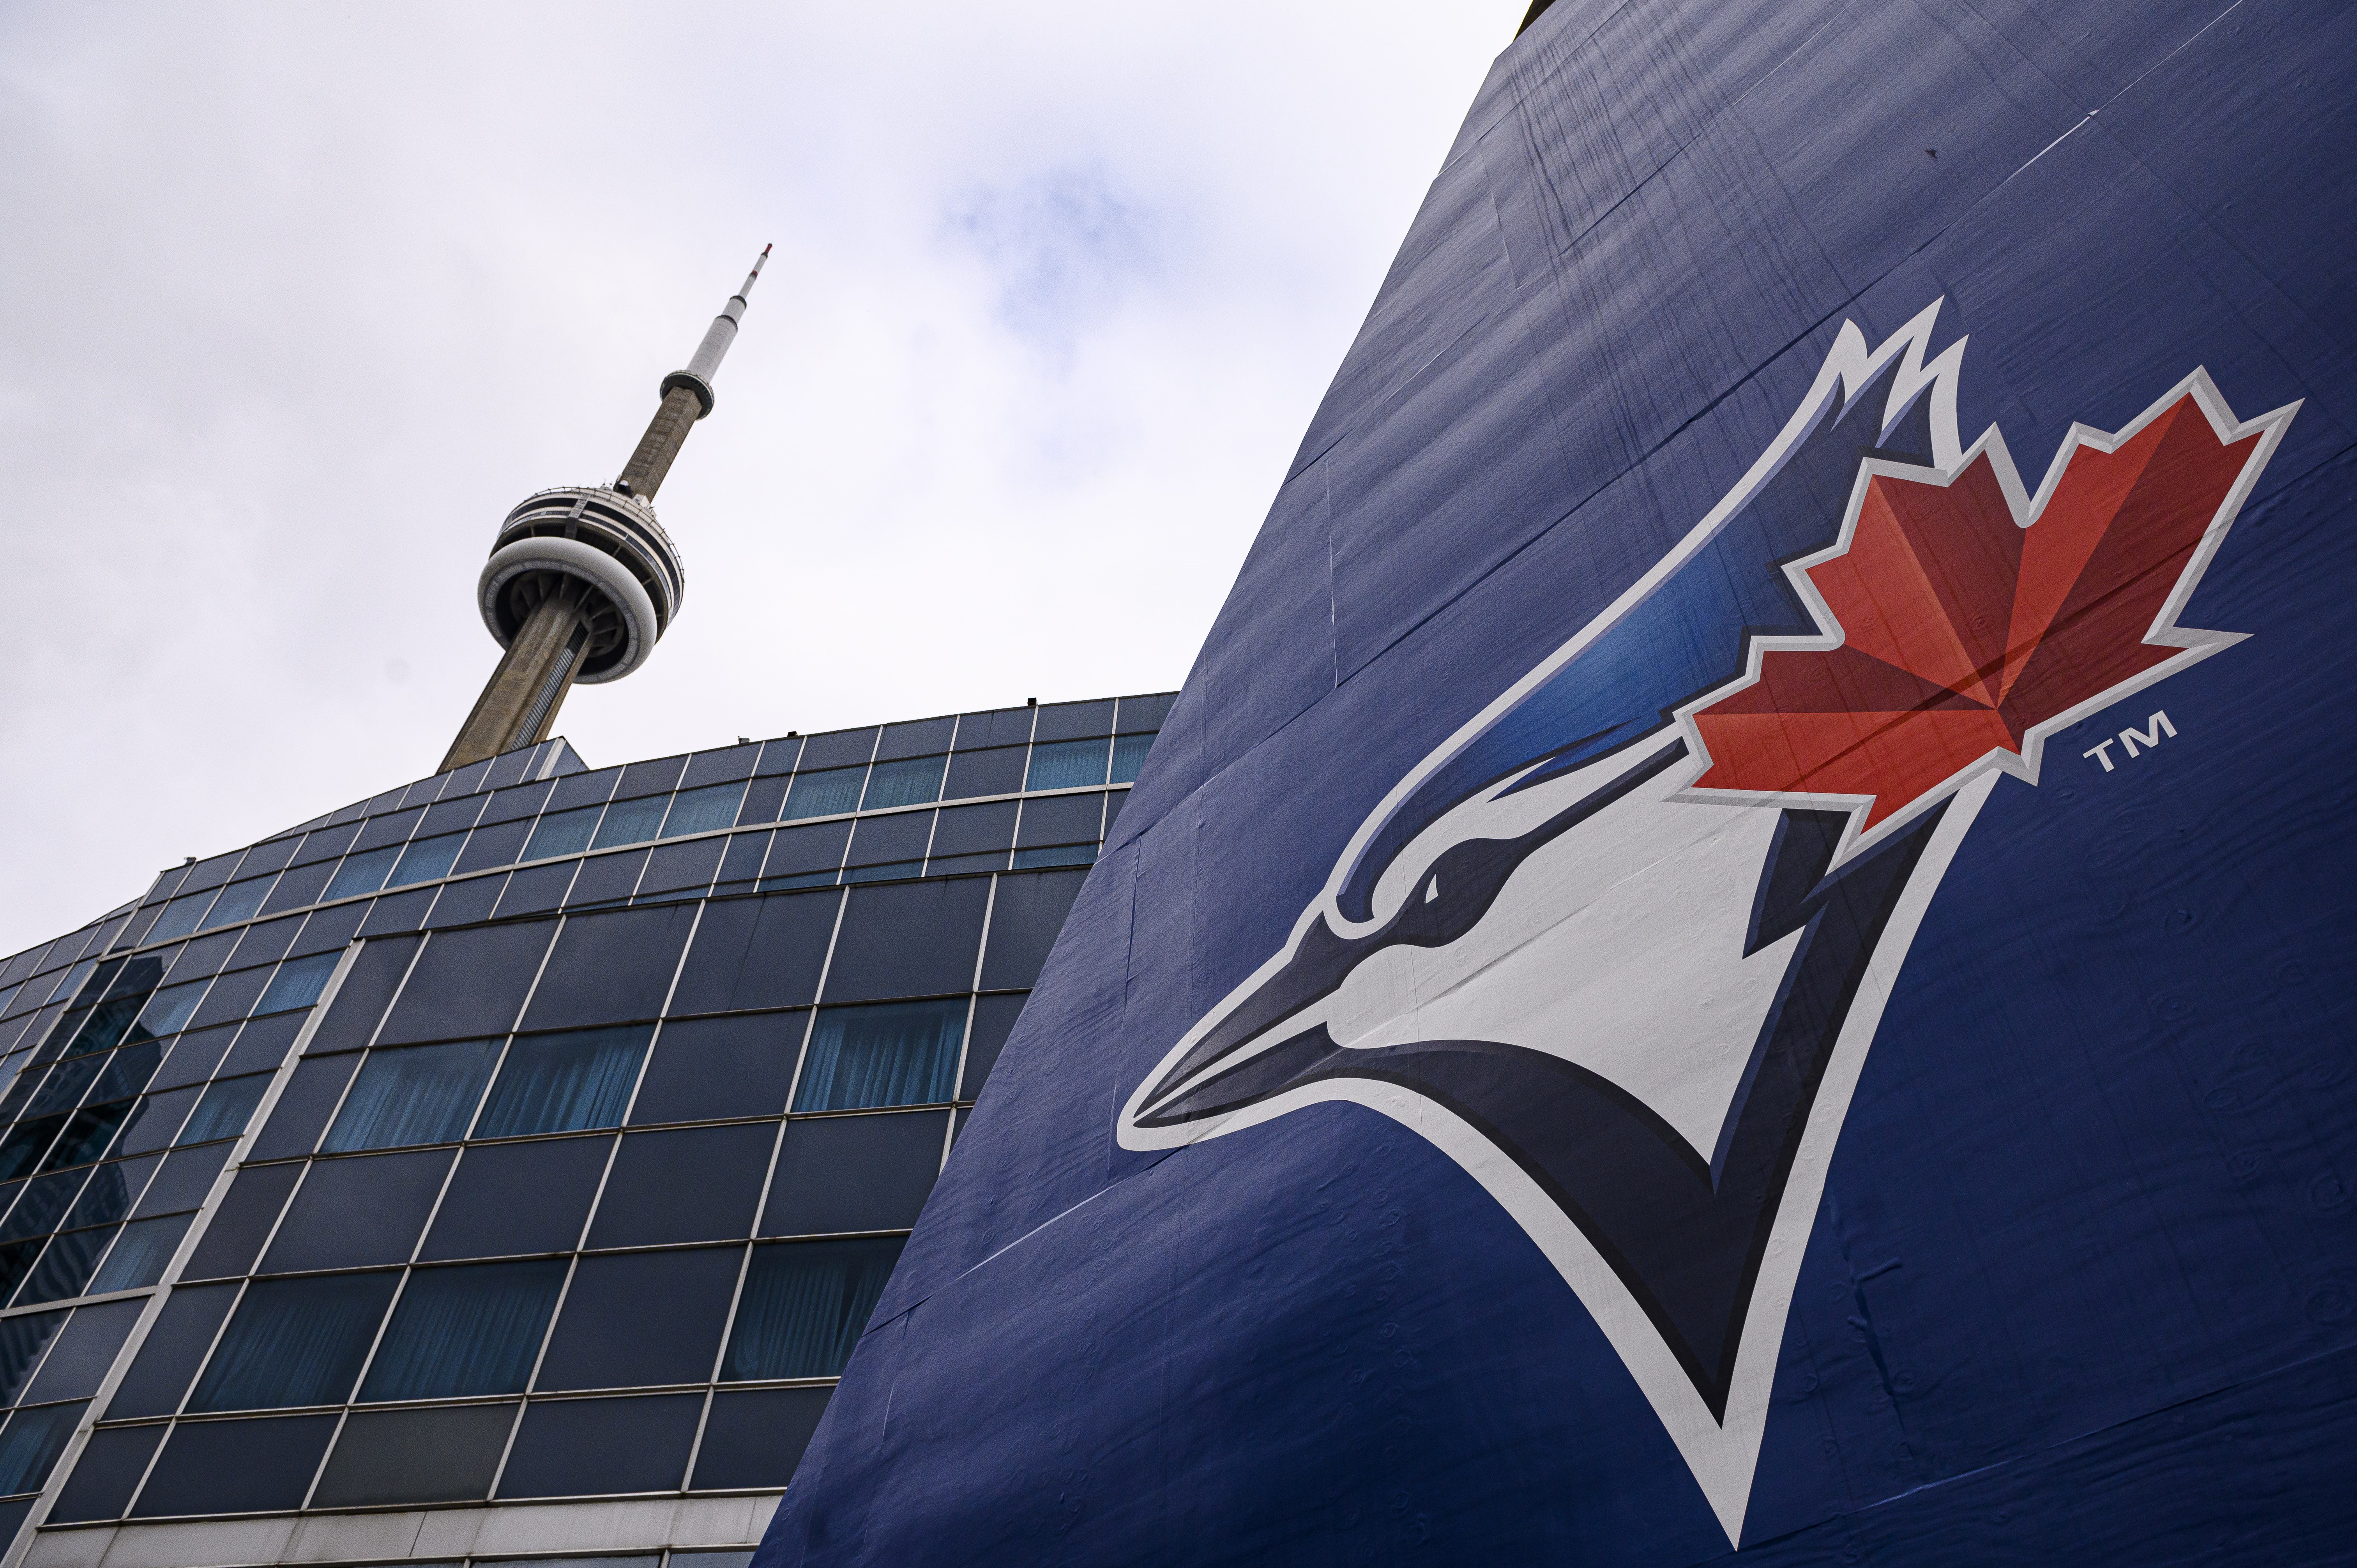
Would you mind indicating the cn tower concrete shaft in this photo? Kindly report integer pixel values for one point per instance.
(520, 702)
(666, 434)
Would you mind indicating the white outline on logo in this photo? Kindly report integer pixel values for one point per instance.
(1722, 1455)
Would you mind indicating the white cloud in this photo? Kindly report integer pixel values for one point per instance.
(296, 301)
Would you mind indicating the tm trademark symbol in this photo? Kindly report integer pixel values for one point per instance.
(2147, 738)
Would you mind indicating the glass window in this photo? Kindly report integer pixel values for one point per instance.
(238, 901)
(298, 985)
(425, 860)
(387, 1457)
(84, 1352)
(518, 1197)
(224, 1111)
(587, 1447)
(1066, 764)
(233, 1237)
(757, 952)
(236, 1467)
(565, 1083)
(22, 1340)
(561, 833)
(1059, 855)
(140, 1253)
(696, 1184)
(909, 783)
(302, 1110)
(25, 1145)
(634, 1318)
(294, 1342)
(912, 938)
(422, 1094)
(1072, 721)
(43, 1201)
(610, 968)
(1067, 818)
(998, 771)
(105, 1475)
(824, 794)
(1129, 755)
(900, 1053)
(360, 1001)
(169, 1009)
(703, 811)
(754, 1437)
(630, 822)
(358, 1213)
(469, 1331)
(361, 874)
(1023, 920)
(804, 1305)
(180, 917)
(708, 1068)
(841, 1173)
(66, 1267)
(468, 982)
(86, 1135)
(993, 1020)
(31, 1442)
(168, 1358)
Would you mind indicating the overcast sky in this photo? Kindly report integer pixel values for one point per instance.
(296, 300)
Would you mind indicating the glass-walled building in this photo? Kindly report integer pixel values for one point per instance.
(503, 1166)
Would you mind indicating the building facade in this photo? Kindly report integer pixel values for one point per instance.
(505, 1164)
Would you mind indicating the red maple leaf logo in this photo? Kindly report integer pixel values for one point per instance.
(1967, 618)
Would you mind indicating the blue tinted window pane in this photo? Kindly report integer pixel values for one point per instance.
(294, 1342)
(630, 822)
(361, 874)
(44, 1201)
(425, 1094)
(902, 1053)
(565, 833)
(31, 1444)
(825, 793)
(224, 1110)
(65, 1268)
(465, 1331)
(171, 1007)
(86, 1135)
(1129, 755)
(425, 860)
(1062, 855)
(909, 783)
(703, 811)
(180, 917)
(1068, 765)
(804, 1305)
(565, 1083)
(238, 901)
(298, 985)
(140, 1253)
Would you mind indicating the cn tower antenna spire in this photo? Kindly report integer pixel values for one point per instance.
(582, 582)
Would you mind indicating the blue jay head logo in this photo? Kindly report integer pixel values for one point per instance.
(1628, 985)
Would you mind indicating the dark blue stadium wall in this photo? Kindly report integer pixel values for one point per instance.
(1713, 958)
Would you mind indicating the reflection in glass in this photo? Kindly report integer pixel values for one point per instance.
(294, 1342)
(180, 917)
(465, 1331)
(425, 860)
(171, 1007)
(630, 822)
(1129, 755)
(298, 983)
(1056, 855)
(825, 793)
(564, 1083)
(225, 1108)
(238, 901)
(899, 1053)
(565, 833)
(140, 1253)
(1066, 764)
(32, 1443)
(804, 1305)
(909, 783)
(361, 874)
(703, 811)
(420, 1094)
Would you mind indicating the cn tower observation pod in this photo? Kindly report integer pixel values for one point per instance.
(629, 571)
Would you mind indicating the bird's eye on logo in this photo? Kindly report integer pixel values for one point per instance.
(1619, 945)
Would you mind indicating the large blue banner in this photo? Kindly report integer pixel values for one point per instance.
(1741, 940)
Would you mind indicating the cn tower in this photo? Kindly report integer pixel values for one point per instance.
(582, 582)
